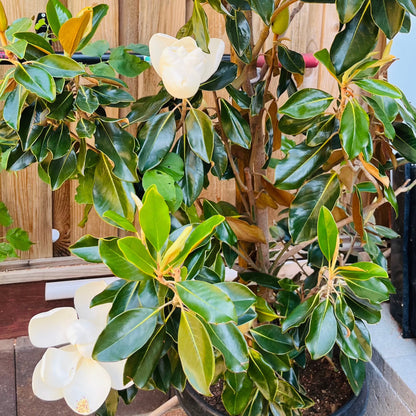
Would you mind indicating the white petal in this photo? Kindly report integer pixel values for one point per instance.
(181, 82)
(43, 390)
(213, 59)
(48, 329)
(89, 388)
(187, 42)
(82, 300)
(58, 367)
(115, 370)
(158, 42)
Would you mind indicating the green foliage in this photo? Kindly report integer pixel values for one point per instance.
(175, 315)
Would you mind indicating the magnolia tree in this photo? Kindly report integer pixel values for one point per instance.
(173, 317)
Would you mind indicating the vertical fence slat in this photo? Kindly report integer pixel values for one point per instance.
(27, 197)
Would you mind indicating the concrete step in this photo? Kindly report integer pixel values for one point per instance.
(392, 373)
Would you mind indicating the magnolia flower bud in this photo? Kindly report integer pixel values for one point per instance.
(181, 64)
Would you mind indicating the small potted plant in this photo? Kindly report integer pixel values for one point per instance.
(174, 315)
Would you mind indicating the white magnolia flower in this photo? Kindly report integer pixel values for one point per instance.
(182, 65)
(70, 372)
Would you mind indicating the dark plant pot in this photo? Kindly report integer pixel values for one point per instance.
(194, 405)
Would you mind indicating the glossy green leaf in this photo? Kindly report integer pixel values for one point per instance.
(173, 166)
(159, 139)
(263, 279)
(36, 80)
(193, 179)
(200, 30)
(108, 294)
(379, 87)
(238, 32)
(388, 15)
(300, 313)
(323, 190)
(19, 159)
(111, 95)
(35, 40)
(30, 128)
(60, 66)
(301, 162)
(235, 127)
(196, 353)
(405, 141)
(381, 115)
(20, 25)
(223, 76)
(62, 169)
(13, 106)
(255, 405)
(58, 141)
(200, 134)
(344, 313)
(164, 183)
(125, 334)
(127, 64)
(375, 290)
(118, 145)
(109, 193)
(322, 330)
(115, 260)
(324, 58)
(140, 366)
(236, 393)
(362, 270)
(262, 375)
(355, 372)
(198, 235)
(354, 129)
(136, 253)
(363, 309)
(125, 300)
(207, 301)
(154, 206)
(85, 128)
(327, 233)
(355, 41)
(265, 313)
(57, 15)
(347, 9)
(62, 106)
(229, 340)
(409, 5)
(271, 339)
(146, 107)
(291, 60)
(242, 297)
(293, 126)
(98, 13)
(321, 131)
(86, 100)
(264, 8)
(306, 103)
(87, 249)
(355, 344)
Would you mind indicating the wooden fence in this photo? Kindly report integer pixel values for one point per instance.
(33, 205)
